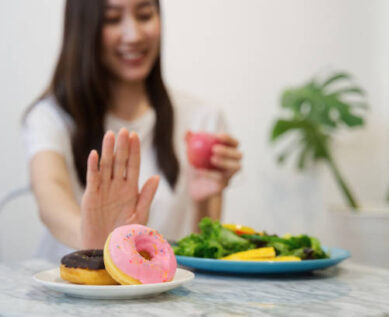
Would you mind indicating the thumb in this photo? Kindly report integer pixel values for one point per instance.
(146, 197)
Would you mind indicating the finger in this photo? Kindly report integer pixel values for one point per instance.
(92, 172)
(107, 156)
(226, 151)
(227, 139)
(146, 197)
(133, 162)
(231, 166)
(121, 155)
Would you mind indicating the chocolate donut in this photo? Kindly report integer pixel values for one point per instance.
(85, 259)
(85, 267)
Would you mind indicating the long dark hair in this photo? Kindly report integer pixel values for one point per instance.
(80, 87)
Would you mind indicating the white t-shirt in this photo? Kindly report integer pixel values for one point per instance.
(48, 128)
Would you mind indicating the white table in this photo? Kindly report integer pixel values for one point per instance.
(346, 290)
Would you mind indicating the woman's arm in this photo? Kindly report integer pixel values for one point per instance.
(58, 208)
(111, 198)
(207, 186)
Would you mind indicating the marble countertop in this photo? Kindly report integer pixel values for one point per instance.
(345, 290)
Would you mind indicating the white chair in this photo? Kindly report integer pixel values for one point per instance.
(20, 226)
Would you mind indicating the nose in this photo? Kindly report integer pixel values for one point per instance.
(131, 32)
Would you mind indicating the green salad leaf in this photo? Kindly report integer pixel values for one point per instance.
(213, 241)
(303, 246)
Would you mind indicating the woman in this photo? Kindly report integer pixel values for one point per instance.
(108, 79)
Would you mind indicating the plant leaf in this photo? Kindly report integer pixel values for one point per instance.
(335, 77)
(345, 113)
(355, 90)
(283, 126)
(316, 113)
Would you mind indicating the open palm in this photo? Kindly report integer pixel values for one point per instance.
(112, 197)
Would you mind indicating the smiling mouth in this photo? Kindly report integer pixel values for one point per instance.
(132, 56)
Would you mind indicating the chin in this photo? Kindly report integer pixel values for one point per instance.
(132, 79)
(133, 76)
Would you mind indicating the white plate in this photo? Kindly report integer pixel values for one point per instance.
(52, 280)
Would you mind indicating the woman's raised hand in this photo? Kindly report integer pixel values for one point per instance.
(227, 159)
(112, 197)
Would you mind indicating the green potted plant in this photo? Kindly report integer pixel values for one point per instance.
(314, 113)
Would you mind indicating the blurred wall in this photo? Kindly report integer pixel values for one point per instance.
(30, 33)
(237, 55)
(241, 54)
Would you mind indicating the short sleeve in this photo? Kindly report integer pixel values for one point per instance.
(45, 129)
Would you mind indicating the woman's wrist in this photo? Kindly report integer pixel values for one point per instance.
(91, 236)
(209, 207)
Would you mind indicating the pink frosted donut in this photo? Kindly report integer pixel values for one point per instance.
(136, 254)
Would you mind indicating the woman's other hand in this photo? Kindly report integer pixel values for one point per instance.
(112, 197)
(226, 158)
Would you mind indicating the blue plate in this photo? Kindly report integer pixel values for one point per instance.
(337, 255)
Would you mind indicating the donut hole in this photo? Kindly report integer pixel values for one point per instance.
(145, 254)
(145, 246)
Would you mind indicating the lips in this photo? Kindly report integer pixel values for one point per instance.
(132, 58)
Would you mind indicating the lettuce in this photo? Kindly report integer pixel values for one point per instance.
(303, 246)
(213, 241)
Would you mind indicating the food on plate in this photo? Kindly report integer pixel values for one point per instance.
(199, 149)
(260, 253)
(136, 254)
(216, 241)
(85, 267)
(133, 254)
(286, 258)
(239, 229)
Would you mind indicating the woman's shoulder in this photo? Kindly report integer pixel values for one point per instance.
(46, 111)
(45, 129)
